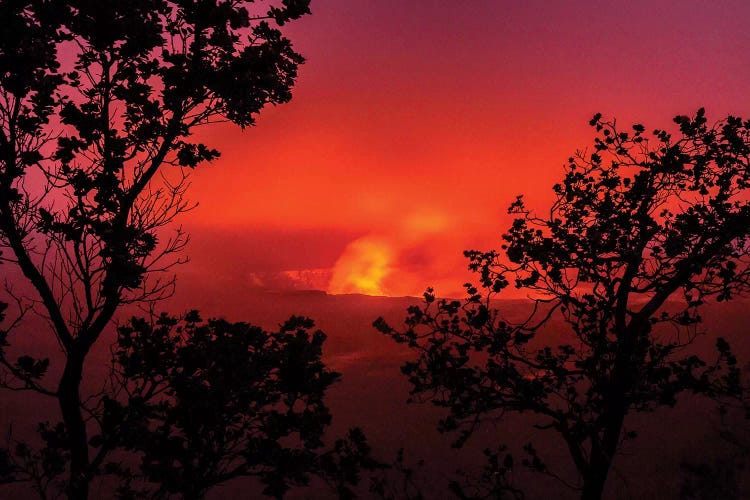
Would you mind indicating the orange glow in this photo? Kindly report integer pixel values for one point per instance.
(362, 268)
(412, 138)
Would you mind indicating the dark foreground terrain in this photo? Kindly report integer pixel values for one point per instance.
(372, 395)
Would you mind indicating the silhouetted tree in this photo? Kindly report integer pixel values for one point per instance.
(722, 472)
(97, 98)
(642, 232)
(397, 481)
(206, 402)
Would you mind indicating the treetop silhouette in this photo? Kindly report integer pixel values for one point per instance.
(98, 100)
(643, 231)
(207, 402)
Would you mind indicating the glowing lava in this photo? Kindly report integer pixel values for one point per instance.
(363, 267)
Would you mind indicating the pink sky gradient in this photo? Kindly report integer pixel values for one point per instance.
(414, 124)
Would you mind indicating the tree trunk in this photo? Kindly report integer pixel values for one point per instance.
(69, 398)
(622, 379)
(594, 481)
(603, 451)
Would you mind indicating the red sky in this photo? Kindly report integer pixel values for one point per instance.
(414, 124)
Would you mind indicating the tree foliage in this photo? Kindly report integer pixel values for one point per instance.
(207, 402)
(98, 101)
(643, 231)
